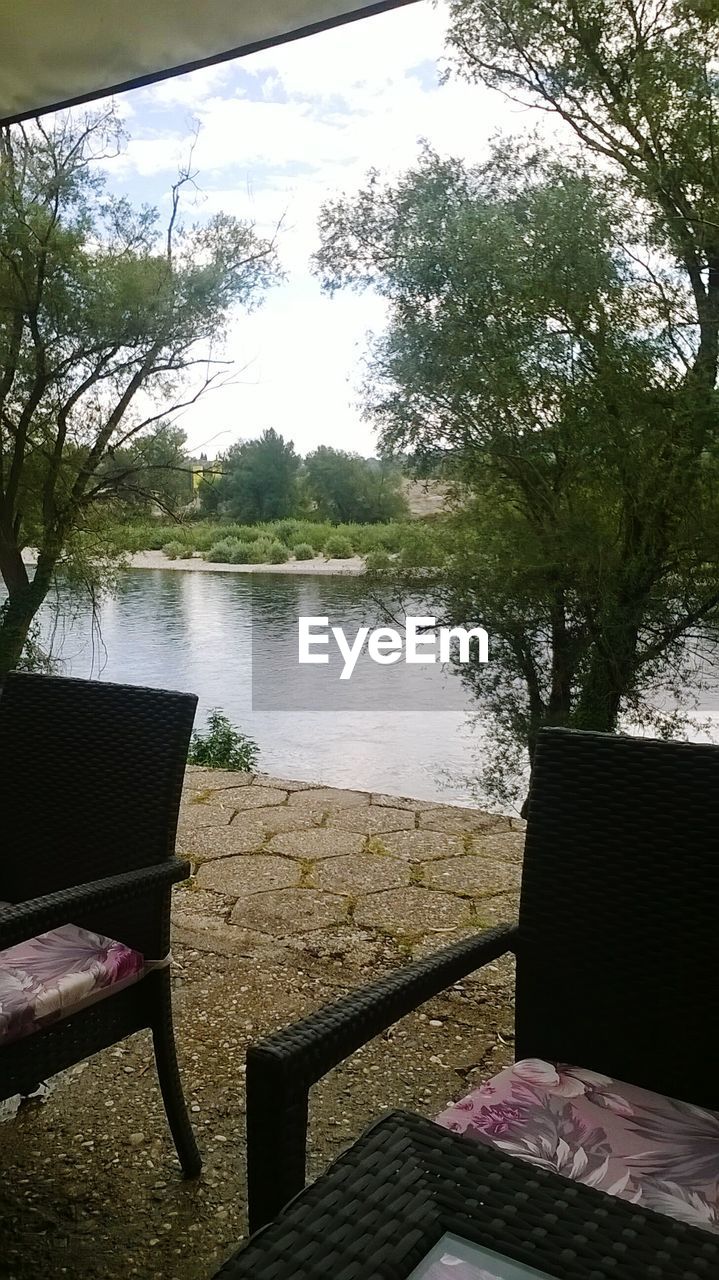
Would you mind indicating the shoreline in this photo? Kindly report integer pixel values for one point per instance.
(318, 566)
(195, 564)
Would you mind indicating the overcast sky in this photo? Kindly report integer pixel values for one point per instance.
(279, 132)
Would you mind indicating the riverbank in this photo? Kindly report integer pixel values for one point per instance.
(195, 564)
(351, 567)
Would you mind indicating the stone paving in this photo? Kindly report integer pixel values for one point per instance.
(354, 875)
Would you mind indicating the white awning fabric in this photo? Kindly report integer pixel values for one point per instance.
(55, 53)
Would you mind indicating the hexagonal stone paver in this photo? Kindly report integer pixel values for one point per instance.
(329, 798)
(506, 846)
(188, 900)
(475, 876)
(202, 779)
(419, 846)
(413, 910)
(220, 842)
(289, 911)
(361, 873)
(266, 780)
(361, 948)
(280, 817)
(320, 843)
(207, 933)
(372, 820)
(251, 873)
(501, 909)
(458, 820)
(254, 797)
(403, 802)
(195, 817)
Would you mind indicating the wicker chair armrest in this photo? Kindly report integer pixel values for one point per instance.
(23, 920)
(282, 1068)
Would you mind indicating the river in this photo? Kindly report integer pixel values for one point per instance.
(232, 639)
(199, 632)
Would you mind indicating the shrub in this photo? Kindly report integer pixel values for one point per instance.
(278, 553)
(241, 553)
(260, 551)
(175, 551)
(338, 548)
(221, 553)
(421, 548)
(223, 746)
(287, 530)
(377, 560)
(303, 551)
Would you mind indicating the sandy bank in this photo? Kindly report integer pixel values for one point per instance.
(156, 560)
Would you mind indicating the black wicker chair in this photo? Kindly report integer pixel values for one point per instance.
(90, 782)
(617, 939)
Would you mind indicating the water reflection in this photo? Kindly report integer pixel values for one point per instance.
(194, 631)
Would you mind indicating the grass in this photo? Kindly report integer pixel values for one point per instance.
(218, 540)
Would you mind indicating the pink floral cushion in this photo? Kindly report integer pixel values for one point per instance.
(651, 1150)
(58, 973)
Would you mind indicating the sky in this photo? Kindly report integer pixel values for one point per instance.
(279, 132)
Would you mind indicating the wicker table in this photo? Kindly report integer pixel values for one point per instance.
(383, 1210)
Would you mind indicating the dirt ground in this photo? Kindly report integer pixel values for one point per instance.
(89, 1183)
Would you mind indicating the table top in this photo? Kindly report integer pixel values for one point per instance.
(412, 1201)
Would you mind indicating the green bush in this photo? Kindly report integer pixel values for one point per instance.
(260, 551)
(338, 548)
(221, 553)
(278, 553)
(175, 551)
(377, 560)
(241, 552)
(287, 531)
(303, 551)
(205, 535)
(421, 548)
(223, 746)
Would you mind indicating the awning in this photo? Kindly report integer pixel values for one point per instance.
(55, 53)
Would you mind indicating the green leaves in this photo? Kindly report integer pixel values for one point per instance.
(538, 344)
(223, 746)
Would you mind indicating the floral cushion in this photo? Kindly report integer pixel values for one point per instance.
(58, 973)
(651, 1150)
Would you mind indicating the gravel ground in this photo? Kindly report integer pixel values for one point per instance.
(89, 1184)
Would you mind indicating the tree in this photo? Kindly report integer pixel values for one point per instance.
(529, 349)
(345, 487)
(636, 83)
(152, 472)
(258, 480)
(108, 323)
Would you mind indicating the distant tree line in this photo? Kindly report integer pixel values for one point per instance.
(264, 479)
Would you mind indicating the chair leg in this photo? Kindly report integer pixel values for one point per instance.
(163, 1037)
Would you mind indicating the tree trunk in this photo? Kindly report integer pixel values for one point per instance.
(611, 673)
(18, 612)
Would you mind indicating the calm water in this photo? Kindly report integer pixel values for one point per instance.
(194, 631)
(199, 632)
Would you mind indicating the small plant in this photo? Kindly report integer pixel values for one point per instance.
(175, 551)
(303, 551)
(223, 746)
(338, 548)
(278, 553)
(377, 561)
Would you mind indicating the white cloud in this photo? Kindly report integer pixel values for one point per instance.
(332, 106)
